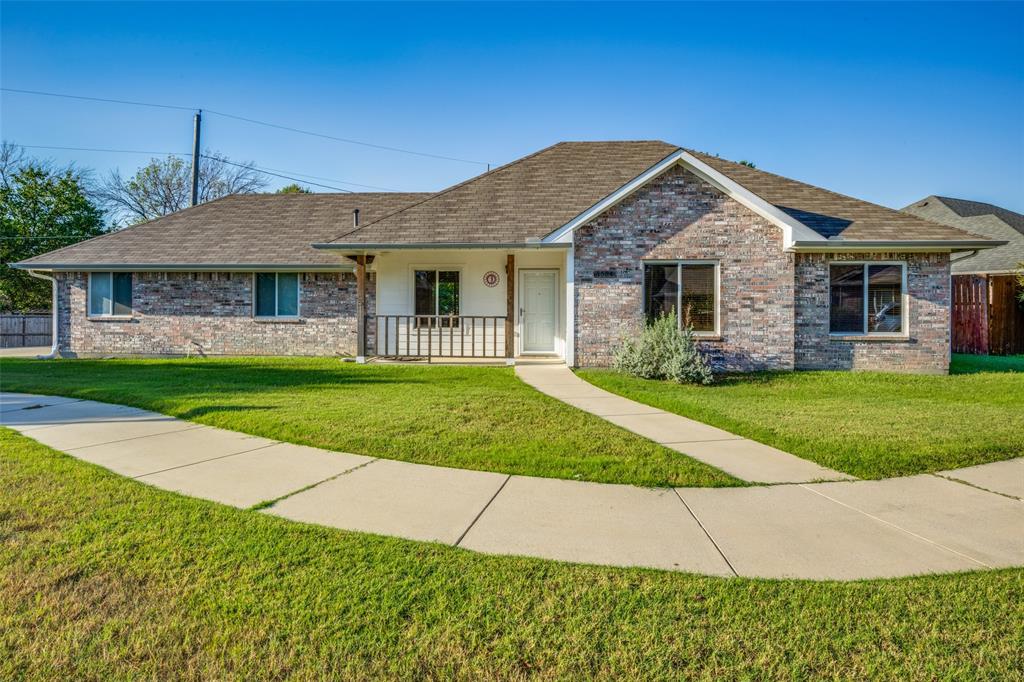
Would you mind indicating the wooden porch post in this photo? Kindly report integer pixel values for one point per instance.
(510, 298)
(360, 308)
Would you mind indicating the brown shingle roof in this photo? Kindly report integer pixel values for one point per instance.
(242, 229)
(523, 200)
(831, 214)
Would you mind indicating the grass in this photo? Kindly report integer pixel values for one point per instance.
(871, 425)
(467, 417)
(102, 577)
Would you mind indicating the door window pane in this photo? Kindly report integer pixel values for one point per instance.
(287, 294)
(846, 298)
(122, 297)
(885, 298)
(100, 293)
(698, 297)
(661, 289)
(266, 294)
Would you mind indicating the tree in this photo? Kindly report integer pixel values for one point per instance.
(165, 186)
(748, 164)
(1020, 282)
(294, 188)
(41, 209)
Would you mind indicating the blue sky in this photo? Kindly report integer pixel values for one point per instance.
(884, 102)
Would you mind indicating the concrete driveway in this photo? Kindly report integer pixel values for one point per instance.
(969, 519)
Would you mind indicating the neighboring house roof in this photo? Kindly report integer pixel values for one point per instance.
(986, 220)
(534, 200)
(239, 230)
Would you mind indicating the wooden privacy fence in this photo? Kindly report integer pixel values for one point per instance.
(987, 316)
(20, 331)
(438, 336)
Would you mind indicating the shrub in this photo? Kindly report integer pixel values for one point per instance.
(663, 350)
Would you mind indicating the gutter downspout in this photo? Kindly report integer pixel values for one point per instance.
(53, 347)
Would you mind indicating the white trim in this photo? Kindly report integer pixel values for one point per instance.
(679, 262)
(792, 229)
(520, 327)
(90, 315)
(569, 343)
(180, 267)
(275, 316)
(901, 246)
(904, 332)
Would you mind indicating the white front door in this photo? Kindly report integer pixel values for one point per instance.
(538, 303)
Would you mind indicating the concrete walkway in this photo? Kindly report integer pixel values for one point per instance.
(844, 530)
(745, 459)
(24, 352)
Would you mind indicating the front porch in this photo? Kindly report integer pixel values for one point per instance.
(465, 305)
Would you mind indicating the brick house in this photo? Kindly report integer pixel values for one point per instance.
(562, 253)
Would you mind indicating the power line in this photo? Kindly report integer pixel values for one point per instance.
(345, 139)
(344, 182)
(276, 172)
(98, 99)
(96, 149)
(276, 175)
(254, 122)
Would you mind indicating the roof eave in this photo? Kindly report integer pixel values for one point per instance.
(390, 246)
(935, 245)
(184, 267)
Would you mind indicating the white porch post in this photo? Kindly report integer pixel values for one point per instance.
(570, 305)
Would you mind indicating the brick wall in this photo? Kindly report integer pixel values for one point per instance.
(925, 351)
(679, 216)
(177, 313)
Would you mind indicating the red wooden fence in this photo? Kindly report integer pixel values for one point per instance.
(987, 316)
(1005, 316)
(970, 314)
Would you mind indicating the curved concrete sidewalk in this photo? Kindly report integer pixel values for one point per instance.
(843, 530)
(745, 459)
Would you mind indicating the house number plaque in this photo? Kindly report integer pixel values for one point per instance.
(491, 279)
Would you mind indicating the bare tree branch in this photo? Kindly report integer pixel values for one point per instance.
(165, 186)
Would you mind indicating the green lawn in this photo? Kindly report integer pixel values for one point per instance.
(468, 417)
(102, 577)
(871, 425)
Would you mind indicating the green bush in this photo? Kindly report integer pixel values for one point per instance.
(664, 351)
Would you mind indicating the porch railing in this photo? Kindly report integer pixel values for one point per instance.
(438, 336)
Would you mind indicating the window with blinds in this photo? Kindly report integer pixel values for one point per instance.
(688, 289)
(866, 298)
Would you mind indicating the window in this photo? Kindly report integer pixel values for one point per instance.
(277, 294)
(686, 288)
(866, 298)
(110, 294)
(437, 293)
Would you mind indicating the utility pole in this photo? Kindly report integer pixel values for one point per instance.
(195, 157)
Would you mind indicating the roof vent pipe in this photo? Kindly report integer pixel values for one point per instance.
(355, 217)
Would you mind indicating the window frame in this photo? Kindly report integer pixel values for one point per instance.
(111, 315)
(679, 262)
(298, 296)
(904, 331)
(437, 269)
